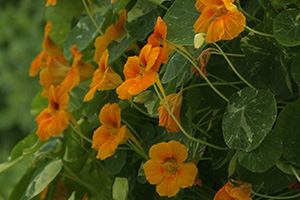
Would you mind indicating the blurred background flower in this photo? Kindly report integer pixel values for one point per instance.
(21, 36)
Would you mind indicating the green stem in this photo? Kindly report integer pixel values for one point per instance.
(295, 173)
(247, 14)
(92, 17)
(229, 54)
(138, 108)
(258, 32)
(203, 75)
(202, 131)
(215, 83)
(158, 4)
(131, 129)
(233, 68)
(229, 83)
(182, 129)
(80, 134)
(141, 153)
(273, 197)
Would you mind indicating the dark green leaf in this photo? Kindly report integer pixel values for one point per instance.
(82, 35)
(265, 156)
(38, 104)
(27, 142)
(295, 69)
(116, 49)
(249, 117)
(115, 163)
(180, 19)
(287, 27)
(287, 127)
(282, 2)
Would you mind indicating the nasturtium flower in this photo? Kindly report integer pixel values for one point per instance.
(220, 19)
(49, 49)
(111, 33)
(52, 2)
(79, 71)
(165, 119)
(111, 133)
(104, 78)
(138, 72)
(234, 190)
(54, 119)
(166, 169)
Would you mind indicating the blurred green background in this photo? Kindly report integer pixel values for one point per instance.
(21, 35)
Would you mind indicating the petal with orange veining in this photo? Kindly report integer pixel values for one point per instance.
(186, 175)
(154, 171)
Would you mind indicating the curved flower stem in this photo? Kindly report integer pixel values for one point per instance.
(92, 17)
(216, 83)
(138, 108)
(141, 153)
(233, 68)
(228, 83)
(273, 197)
(78, 131)
(182, 129)
(295, 173)
(132, 129)
(247, 14)
(158, 4)
(258, 32)
(229, 54)
(188, 57)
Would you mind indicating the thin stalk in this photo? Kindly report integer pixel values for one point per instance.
(158, 4)
(229, 54)
(131, 129)
(182, 129)
(138, 108)
(203, 75)
(92, 17)
(233, 68)
(141, 153)
(273, 197)
(202, 131)
(295, 173)
(80, 134)
(258, 32)
(229, 83)
(215, 83)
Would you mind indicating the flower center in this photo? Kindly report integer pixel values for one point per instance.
(220, 12)
(171, 166)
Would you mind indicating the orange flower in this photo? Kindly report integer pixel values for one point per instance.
(54, 119)
(165, 119)
(85, 197)
(234, 190)
(166, 169)
(203, 60)
(138, 72)
(50, 49)
(52, 2)
(108, 136)
(111, 33)
(104, 78)
(220, 19)
(80, 71)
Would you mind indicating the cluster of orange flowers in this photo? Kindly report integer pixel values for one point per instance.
(219, 19)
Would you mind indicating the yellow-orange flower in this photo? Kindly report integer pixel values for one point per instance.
(138, 72)
(52, 2)
(234, 190)
(54, 119)
(104, 78)
(110, 134)
(165, 119)
(80, 71)
(49, 49)
(111, 33)
(220, 19)
(166, 169)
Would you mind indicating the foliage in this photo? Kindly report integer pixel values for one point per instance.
(231, 106)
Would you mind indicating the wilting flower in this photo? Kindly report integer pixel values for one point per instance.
(165, 119)
(49, 49)
(234, 190)
(203, 60)
(79, 71)
(52, 2)
(166, 169)
(138, 72)
(111, 33)
(104, 78)
(110, 134)
(54, 119)
(220, 19)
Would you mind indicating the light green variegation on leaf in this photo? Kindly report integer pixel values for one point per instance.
(249, 116)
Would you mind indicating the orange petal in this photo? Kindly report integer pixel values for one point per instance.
(123, 89)
(52, 2)
(101, 135)
(100, 44)
(113, 31)
(234, 24)
(215, 31)
(154, 172)
(38, 63)
(202, 23)
(48, 45)
(132, 67)
(148, 56)
(58, 98)
(200, 6)
(213, 3)
(179, 151)
(110, 115)
(161, 152)
(168, 187)
(91, 93)
(146, 81)
(186, 175)
(160, 29)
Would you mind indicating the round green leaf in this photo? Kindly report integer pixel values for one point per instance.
(115, 163)
(286, 27)
(120, 189)
(264, 157)
(249, 116)
(295, 69)
(288, 127)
